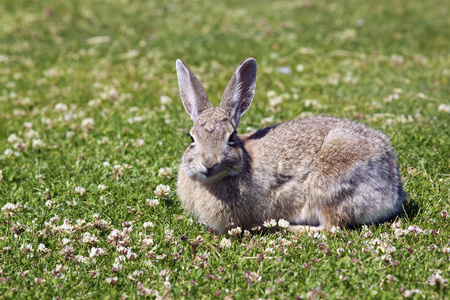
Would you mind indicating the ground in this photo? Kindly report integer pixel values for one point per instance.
(92, 129)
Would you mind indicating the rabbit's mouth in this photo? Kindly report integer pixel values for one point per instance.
(215, 173)
(212, 175)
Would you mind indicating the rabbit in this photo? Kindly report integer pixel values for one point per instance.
(315, 173)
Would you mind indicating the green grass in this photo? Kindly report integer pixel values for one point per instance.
(384, 63)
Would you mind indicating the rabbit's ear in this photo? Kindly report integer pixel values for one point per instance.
(193, 94)
(238, 94)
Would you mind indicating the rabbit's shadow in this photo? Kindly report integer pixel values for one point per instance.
(410, 211)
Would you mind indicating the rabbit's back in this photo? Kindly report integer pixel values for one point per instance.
(346, 171)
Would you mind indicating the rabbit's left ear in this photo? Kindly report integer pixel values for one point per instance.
(239, 93)
(192, 92)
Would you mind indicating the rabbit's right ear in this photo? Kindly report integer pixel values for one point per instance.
(192, 92)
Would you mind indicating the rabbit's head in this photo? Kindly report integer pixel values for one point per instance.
(216, 151)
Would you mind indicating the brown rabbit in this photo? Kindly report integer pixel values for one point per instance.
(315, 173)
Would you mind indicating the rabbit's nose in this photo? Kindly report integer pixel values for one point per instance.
(209, 162)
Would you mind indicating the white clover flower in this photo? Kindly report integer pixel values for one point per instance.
(54, 220)
(117, 266)
(275, 101)
(299, 68)
(139, 142)
(60, 107)
(165, 100)
(131, 255)
(313, 103)
(252, 277)
(162, 190)
(391, 98)
(415, 229)
(271, 94)
(340, 250)
(38, 280)
(390, 249)
(13, 138)
(28, 125)
(152, 202)
(37, 144)
(19, 112)
(147, 242)
(70, 134)
(88, 238)
(282, 223)
(147, 225)
(104, 140)
(270, 223)
(235, 231)
(165, 172)
(106, 164)
(65, 241)
(69, 117)
(225, 243)
(437, 280)
(138, 119)
(31, 134)
(390, 278)
(113, 94)
(95, 252)
(19, 146)
(49, 204)
(95, 102)
(444, 108)
(26, 248)
(117, 171)
(101, 187)
(400, 232)
(409, 293)
(42, 248)
(335, 229)
(9, 152)
(48, 122)
(121, 258)
(375, 241)
(111, 280)
(81, 259)
(386, 258)
(397, 59)
(368, 234)
(65, 227)
(267, 120)
(87, 124)
(133, 53)
(9, 207)
(80, 190)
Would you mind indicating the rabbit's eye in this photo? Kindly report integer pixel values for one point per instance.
(232, 139)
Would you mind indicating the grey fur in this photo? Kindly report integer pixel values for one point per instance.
(315, 173)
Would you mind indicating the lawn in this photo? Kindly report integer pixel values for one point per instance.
(92, 129)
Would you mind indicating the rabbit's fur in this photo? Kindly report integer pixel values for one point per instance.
(318, 172)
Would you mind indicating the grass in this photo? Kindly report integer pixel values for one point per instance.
(92, 129)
